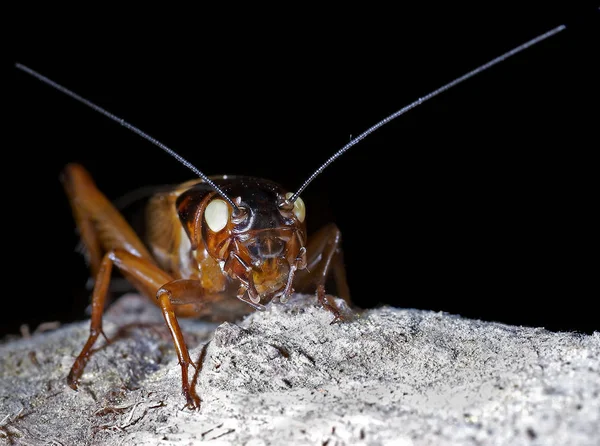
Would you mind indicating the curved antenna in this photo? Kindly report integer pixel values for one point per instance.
(419, 101)
(129, 126)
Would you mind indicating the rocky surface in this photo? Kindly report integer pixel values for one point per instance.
(288, 376)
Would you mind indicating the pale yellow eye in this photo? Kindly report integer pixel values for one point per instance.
(216, 214)
(299, 207)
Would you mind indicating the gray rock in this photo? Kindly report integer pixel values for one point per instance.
(287, 376)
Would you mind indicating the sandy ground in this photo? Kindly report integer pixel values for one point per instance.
(287, 376)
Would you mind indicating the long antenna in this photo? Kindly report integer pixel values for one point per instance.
(129, 126)
(419, 101)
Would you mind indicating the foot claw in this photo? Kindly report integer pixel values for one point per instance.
(337, 318)
(193, 400)
(72, 383)
(73, 376)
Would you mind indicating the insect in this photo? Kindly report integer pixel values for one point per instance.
(217, 246)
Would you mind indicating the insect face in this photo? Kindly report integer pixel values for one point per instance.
(261, 243)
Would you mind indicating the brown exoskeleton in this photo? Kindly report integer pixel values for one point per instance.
(203, 252)
(212, 240)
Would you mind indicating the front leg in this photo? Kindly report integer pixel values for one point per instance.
(149, 279)
(180, 292)
(324, 256)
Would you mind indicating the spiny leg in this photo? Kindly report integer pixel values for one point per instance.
(98, 301)
(324, 256)
(149, 279)
(145, 275)
(181, 292)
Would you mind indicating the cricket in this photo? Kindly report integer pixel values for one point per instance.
(218, 246)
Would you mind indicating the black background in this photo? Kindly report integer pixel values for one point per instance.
(480, 202)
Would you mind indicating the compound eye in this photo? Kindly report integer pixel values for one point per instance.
(216, 214)
(299, 207)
